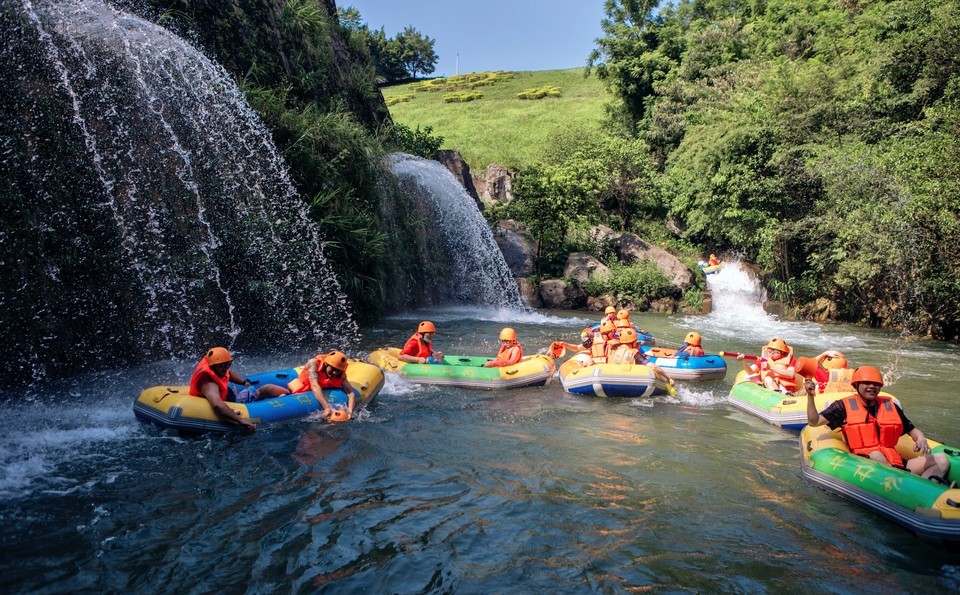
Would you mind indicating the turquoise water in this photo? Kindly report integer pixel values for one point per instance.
(445, 490)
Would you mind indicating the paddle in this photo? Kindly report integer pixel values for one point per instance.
(746, 356)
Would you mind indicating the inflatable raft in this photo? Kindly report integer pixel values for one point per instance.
(785, 410)
(581, 377)
(705, 367)
(709, 270)
(171, 407)
(467, 371)
(927, 508)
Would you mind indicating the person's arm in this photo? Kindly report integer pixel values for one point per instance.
(921, 445)
(513, 357)
(813, 416)
(211, 392)
(312, 366)
(236, 378)
(351, 400)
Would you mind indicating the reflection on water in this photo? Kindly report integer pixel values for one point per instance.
(451, 490)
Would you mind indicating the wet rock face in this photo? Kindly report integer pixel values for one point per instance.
(630, 248)
(453, 161)
(517, 246)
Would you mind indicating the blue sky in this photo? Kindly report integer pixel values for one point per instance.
(493, 34)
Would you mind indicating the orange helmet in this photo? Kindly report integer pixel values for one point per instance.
(778, 344)
(623, 315)
(338, 415)
(426, 327)
(218, 355)
(609, 310)
(508, 334)
(607, 326)
(866, 374)
(628, 335)
(336, 359)
(834, 363)
(693, 338)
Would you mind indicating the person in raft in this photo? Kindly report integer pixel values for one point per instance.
(776, 368)
(419, 347)
(325, 372)
(628, 352)
(691, 346)
(510, 351)
(872, 425)
(714, 261)
(609, 313)
(211, 380)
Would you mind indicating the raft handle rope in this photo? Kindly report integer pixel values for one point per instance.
(511, 372)
(465, 359)
(951, 452)
(953, 503)
(165, 395)
(809, 445)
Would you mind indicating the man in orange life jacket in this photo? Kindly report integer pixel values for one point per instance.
(510, 351)
(211, 380)
(419, 347)
(326, 371)
(872, 425)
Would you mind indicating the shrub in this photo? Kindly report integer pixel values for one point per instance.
(693, 299)
(636, 282)
(462, 81)
(398, 99)
(418, 142)
(539, 92)
(462, 97)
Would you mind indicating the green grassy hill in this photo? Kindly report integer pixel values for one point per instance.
(499, 127)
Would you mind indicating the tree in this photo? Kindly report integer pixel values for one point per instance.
(416, 52)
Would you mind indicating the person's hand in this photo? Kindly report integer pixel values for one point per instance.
(810, 386)
(922, 446)
(326, 412)
(248, 426)
(438, 356)
(739, 356)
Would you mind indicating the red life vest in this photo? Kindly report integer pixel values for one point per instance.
(301, 383)
(624, 355)
(865, 433)
(821, 376)
(202, 374)
(417, 347)
(690, 350)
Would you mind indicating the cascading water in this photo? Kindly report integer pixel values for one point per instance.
(146, 210)
(470, 267)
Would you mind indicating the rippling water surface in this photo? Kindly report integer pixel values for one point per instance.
(445, 490)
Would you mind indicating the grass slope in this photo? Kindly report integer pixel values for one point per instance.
(500, 128)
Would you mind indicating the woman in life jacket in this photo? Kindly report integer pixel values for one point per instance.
(714, 261)
(776, 369)
(873, 423)
(510, 351)
(691, 346)
(326, 371)
(211, 380)
(419, 347)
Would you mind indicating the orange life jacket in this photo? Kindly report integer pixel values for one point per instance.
(774, 367)
(202, 373)
(506, 353)
(865, 433)
(417, 347)
(689, 350)
(301, 383)
(624, 355)
(598, 349)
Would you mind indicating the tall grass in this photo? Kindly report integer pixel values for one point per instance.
(500, 127)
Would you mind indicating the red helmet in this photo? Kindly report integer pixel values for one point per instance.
(866, 374)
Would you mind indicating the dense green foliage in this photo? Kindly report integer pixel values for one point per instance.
(820, 136)
(638, 283)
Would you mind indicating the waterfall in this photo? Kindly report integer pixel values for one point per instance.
(147, 211)
(468, 267)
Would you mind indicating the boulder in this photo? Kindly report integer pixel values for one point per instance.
(517, 246)
(630, 248)
(499, 184)
(581, 266)
(528, 292)
(664, 305)
(600, 302)
(558, 294)
(453, 161)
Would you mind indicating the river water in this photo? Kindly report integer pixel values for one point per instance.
(445, 490)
